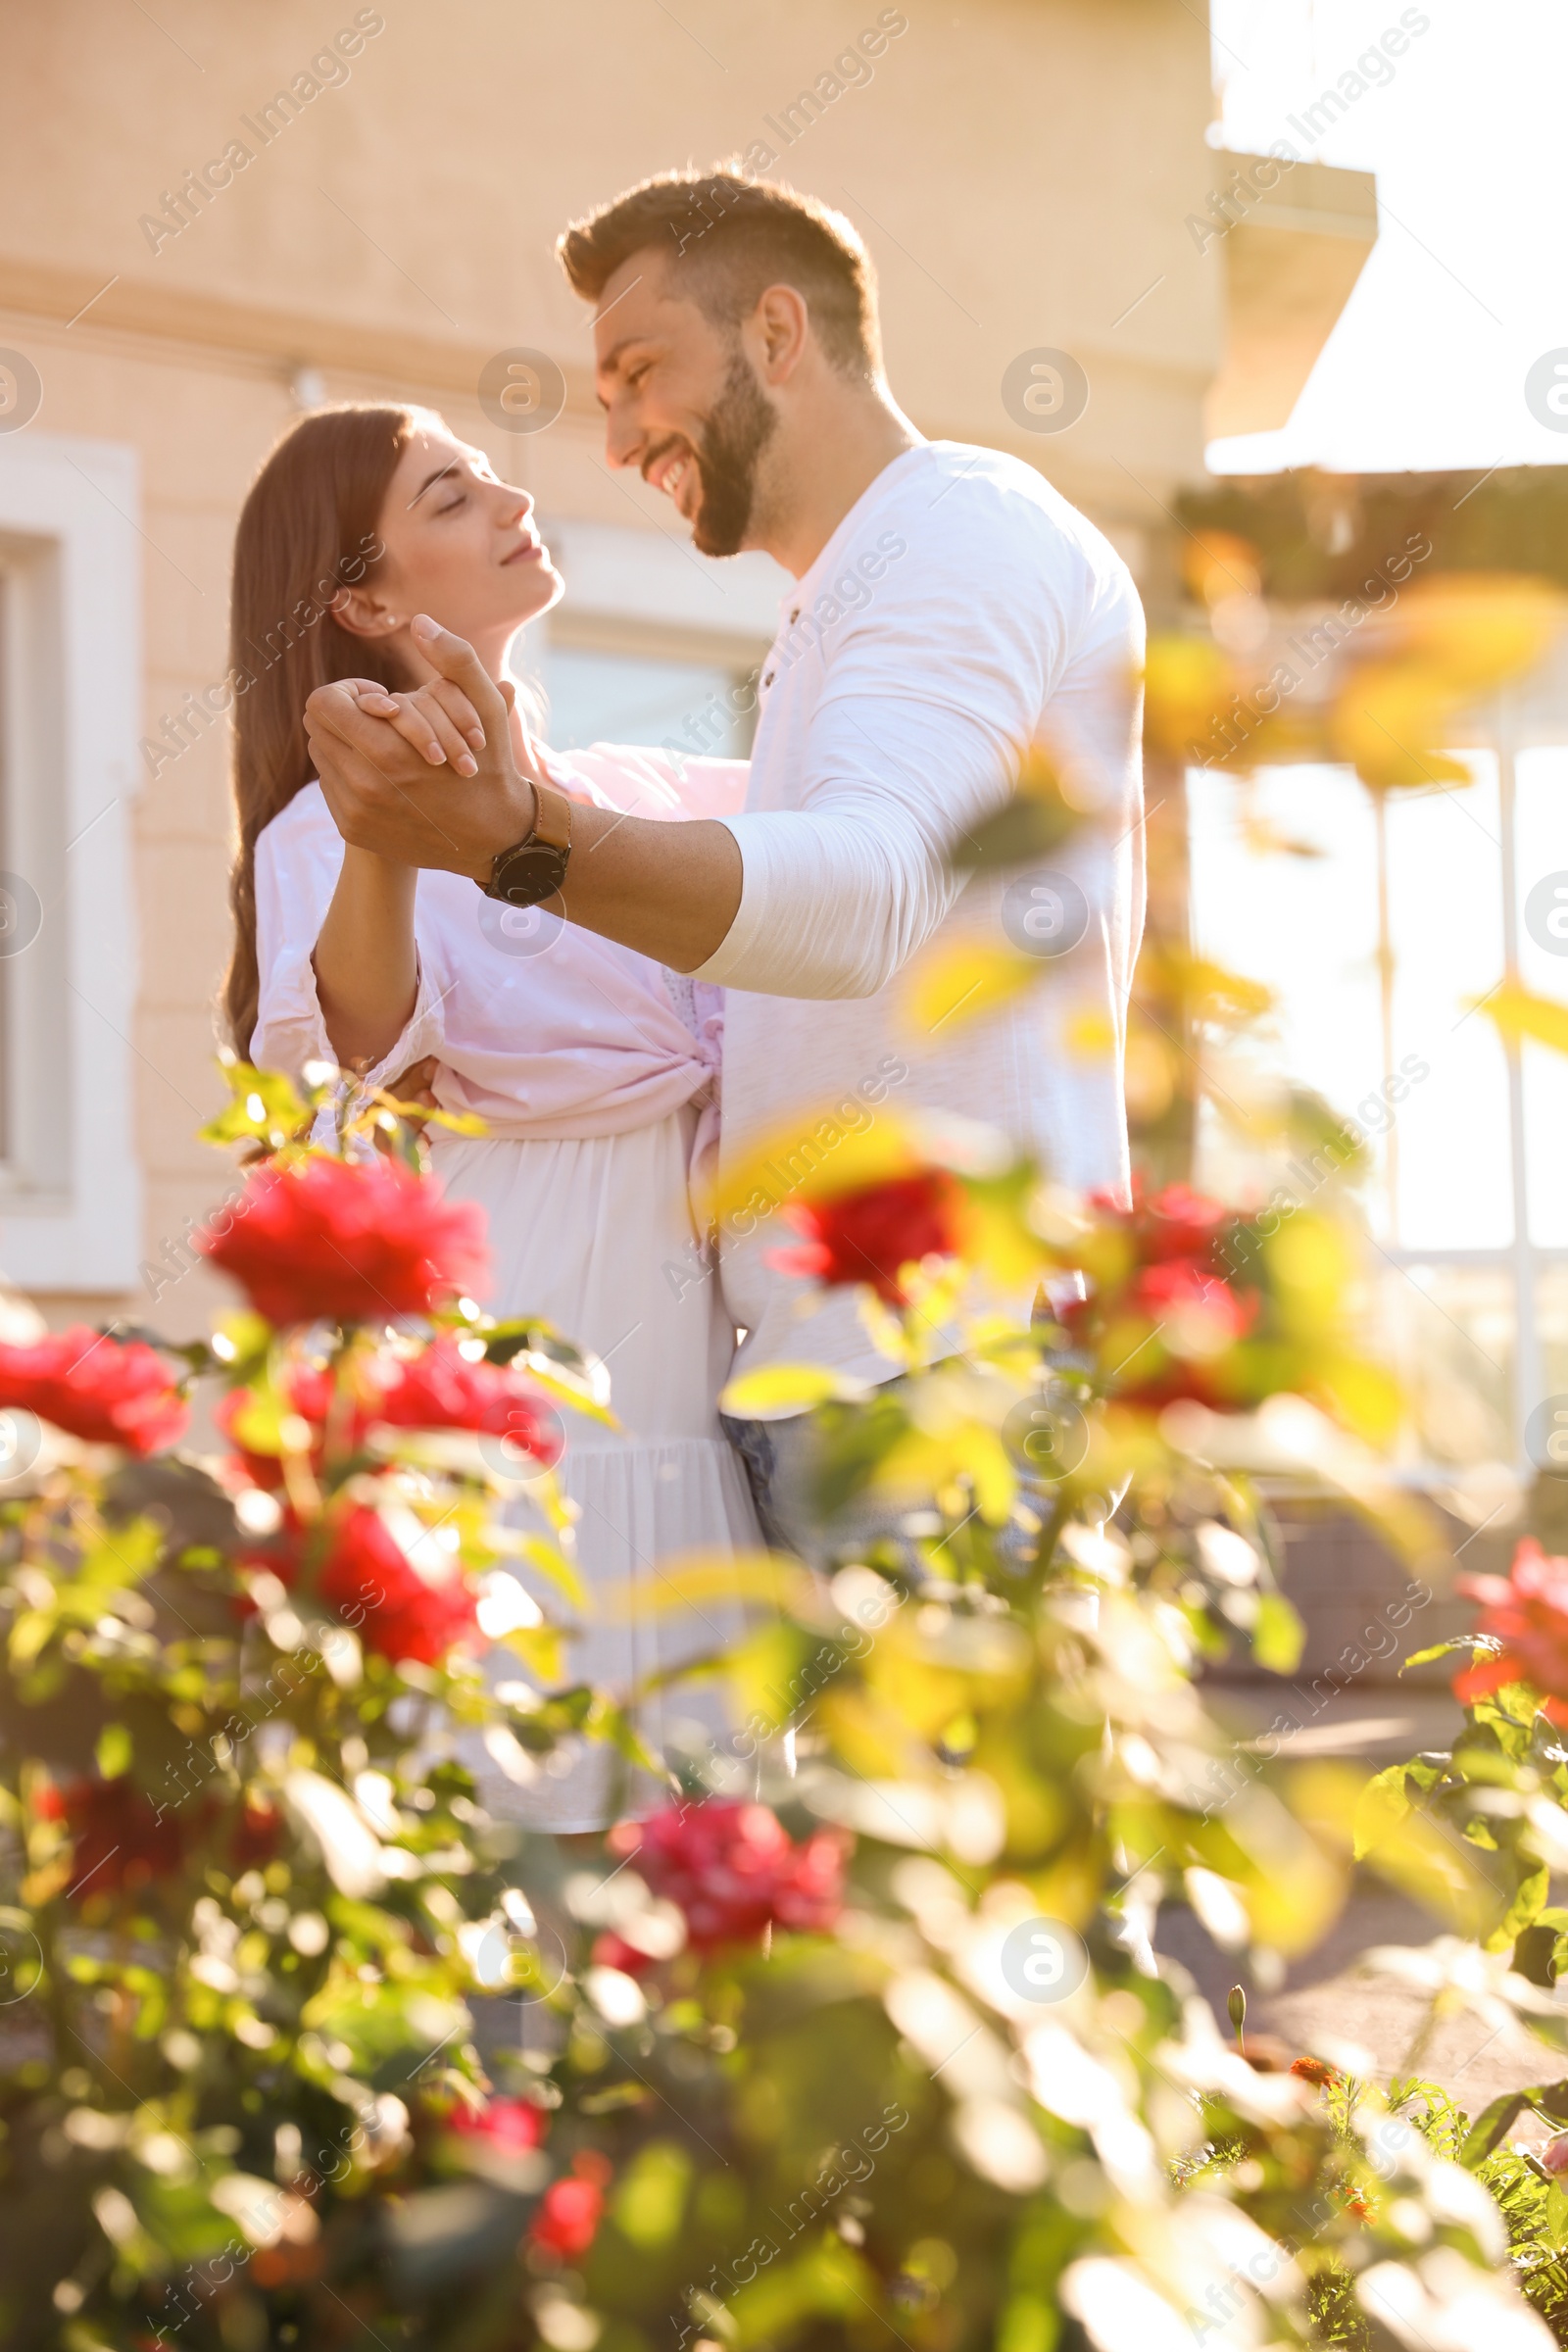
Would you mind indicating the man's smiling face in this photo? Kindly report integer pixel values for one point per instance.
(681, 400)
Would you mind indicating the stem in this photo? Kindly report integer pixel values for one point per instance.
(1060, 1513)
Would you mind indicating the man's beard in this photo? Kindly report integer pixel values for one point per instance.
(729, 462)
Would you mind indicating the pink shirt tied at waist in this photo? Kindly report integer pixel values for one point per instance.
(542, 1029)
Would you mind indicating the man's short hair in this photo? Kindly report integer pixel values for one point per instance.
(731, 238)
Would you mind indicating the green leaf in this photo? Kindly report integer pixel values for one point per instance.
(265, 1108)
(651, 2197)
(1440, 1649)
(784, 1389)
(1382, 1805)
(1525, 1909)
(1486, 2132)
(605, 1721)
(458, 1122)
(566, 1387)
(1029, 2324)
(1514, 1013)
(1278, 1635)
(1025, 828)
(28, 1635)
(540, 1647)
(553, 1565)
(113, 1752)
(531, 1333)
(1489, 2125)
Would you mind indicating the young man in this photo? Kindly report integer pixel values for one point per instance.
(950, 608)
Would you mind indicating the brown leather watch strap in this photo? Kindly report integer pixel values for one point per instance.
(552, 821)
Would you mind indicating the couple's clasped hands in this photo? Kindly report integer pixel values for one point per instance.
(386, 761)
(447, 777)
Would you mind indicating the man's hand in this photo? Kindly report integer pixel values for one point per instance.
(386, 795)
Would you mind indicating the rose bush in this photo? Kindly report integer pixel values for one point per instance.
(246, 1885)
(324, 2051)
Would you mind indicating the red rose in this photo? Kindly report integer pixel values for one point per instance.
(349, 1241)
(1176, 1223)
(1195, 1313)
(1179, 1223)
(440, 1388)
(509, 2125)
(1160, 1316)
(1527, 1611)
(374, 1586)
(121, 1840)
(107, 1391)
(566, 2218)
(258, 1832)
(613, 1952)
(869, 1234)
(734, 1870)
(365, 1576)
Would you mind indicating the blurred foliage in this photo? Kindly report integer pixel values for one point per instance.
(1378, 680)
(1315, 536)
(312, 2046)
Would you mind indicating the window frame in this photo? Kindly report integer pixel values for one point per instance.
(70, 1192)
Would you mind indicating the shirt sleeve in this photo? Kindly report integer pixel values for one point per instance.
(933, 690)
(297, 866)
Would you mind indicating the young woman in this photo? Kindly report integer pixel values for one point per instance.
(593, 1069)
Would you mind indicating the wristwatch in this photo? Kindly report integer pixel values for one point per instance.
(535, 867)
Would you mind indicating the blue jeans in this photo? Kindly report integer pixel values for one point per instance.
(780, 1461)
(753, 1441)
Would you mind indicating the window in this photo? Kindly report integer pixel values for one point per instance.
(654, 643)
(1467, 1205)
(70, 686)
(600, 696)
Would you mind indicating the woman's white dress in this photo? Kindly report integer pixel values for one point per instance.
(596, 1073)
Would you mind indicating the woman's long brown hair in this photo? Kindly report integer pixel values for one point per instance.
(308, 529)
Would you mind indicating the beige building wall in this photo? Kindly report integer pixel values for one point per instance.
(1022, 171)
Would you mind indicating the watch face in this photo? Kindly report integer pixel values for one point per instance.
(527, 875)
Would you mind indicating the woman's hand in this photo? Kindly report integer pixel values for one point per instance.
(437, 719)
(416, 1084)
(440, 723)
(382, 791)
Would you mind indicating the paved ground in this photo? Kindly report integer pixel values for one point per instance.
(1324, 1994)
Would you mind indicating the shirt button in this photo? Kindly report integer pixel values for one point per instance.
(767, 678)
(796, 614)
